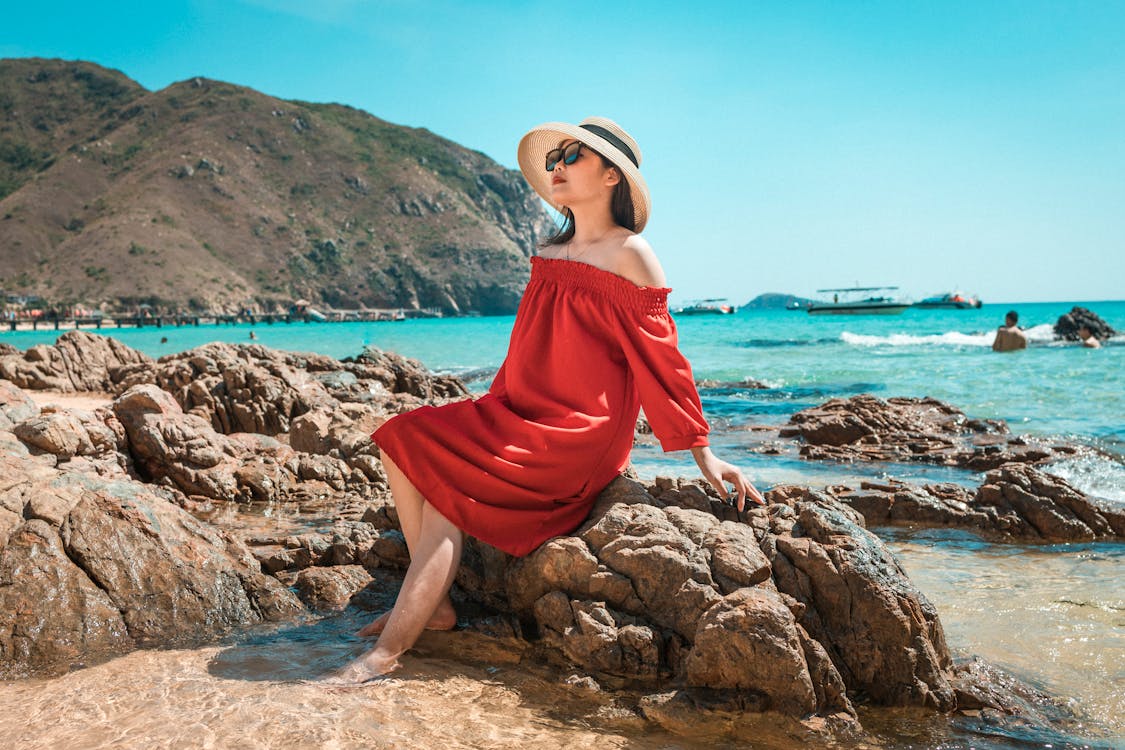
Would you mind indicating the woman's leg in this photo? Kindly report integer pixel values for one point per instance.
(434, 564)
(409, 503)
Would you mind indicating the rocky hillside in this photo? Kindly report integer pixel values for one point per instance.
(210, 196)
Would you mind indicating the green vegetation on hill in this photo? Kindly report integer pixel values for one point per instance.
(210, 195)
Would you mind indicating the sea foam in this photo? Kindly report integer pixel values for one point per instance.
(1040, 334)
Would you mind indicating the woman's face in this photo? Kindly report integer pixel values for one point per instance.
(586, 180)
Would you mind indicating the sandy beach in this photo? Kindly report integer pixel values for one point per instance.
(87, 401)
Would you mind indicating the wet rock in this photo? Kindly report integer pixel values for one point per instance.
(865, 428)
(1015, 502)
(1067, 326)
(78, 362)
(51, 611)
(331, 588)
(96, 564)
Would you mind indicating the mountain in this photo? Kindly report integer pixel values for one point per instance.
(777, 301)
(210, 196)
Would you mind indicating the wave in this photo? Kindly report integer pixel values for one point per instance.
(1040, 334)
(1100, 476)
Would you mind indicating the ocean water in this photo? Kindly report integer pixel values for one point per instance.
(1053, 616)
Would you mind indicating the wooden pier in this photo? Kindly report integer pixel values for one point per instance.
(161, 321)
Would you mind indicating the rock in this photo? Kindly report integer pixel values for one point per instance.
(1015, 503)
(331, 588)
(881, 633)
(865, 428)
(103, 565)
(792, 610)
(51, 612)
(15, 405)
(167, 444)
(78, 362)
(75, 434)
(749, 641)
(1067, 326)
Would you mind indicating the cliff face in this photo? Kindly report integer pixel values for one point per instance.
(210, 195)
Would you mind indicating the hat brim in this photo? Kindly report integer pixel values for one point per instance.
(532, 155)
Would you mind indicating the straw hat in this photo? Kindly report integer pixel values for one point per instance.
(602, 135)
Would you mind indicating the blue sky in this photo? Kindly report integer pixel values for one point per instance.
(788, 146)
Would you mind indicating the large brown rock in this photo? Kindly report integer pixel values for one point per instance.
(95, 564)
(78, 361)
(798, 606)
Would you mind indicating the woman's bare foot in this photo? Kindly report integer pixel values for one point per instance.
(444, 618)
(366, 668)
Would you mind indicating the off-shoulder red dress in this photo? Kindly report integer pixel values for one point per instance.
(525, 462)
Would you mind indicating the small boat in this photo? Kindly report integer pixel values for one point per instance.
(713, 306)
(854, 303)
(951, 300)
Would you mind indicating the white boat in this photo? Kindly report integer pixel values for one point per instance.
(713, 306)
(859, 300)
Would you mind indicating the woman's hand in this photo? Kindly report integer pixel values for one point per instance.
(716, 472)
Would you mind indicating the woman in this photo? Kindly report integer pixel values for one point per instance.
(592, 342)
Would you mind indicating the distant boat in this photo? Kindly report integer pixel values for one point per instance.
(854, 303)
(713, 306)
(951, 300)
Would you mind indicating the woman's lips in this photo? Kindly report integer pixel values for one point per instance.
(556, 180)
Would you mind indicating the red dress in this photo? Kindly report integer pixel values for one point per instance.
(526, 461)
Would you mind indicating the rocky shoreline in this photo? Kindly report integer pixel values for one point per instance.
(134, 525)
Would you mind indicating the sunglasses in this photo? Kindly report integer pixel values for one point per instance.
(567, 155)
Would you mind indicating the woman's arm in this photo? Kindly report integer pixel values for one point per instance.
(715, 471)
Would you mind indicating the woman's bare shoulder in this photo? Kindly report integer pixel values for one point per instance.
(636, 261)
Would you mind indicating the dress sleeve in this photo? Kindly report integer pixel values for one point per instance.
(664, 380)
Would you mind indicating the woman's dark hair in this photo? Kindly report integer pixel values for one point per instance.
(620, 207)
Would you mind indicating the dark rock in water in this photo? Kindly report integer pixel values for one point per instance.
(866, 428)
(89, 564)
(1067, 325)
(78, 361)
(6, 349)
(1016, 502)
